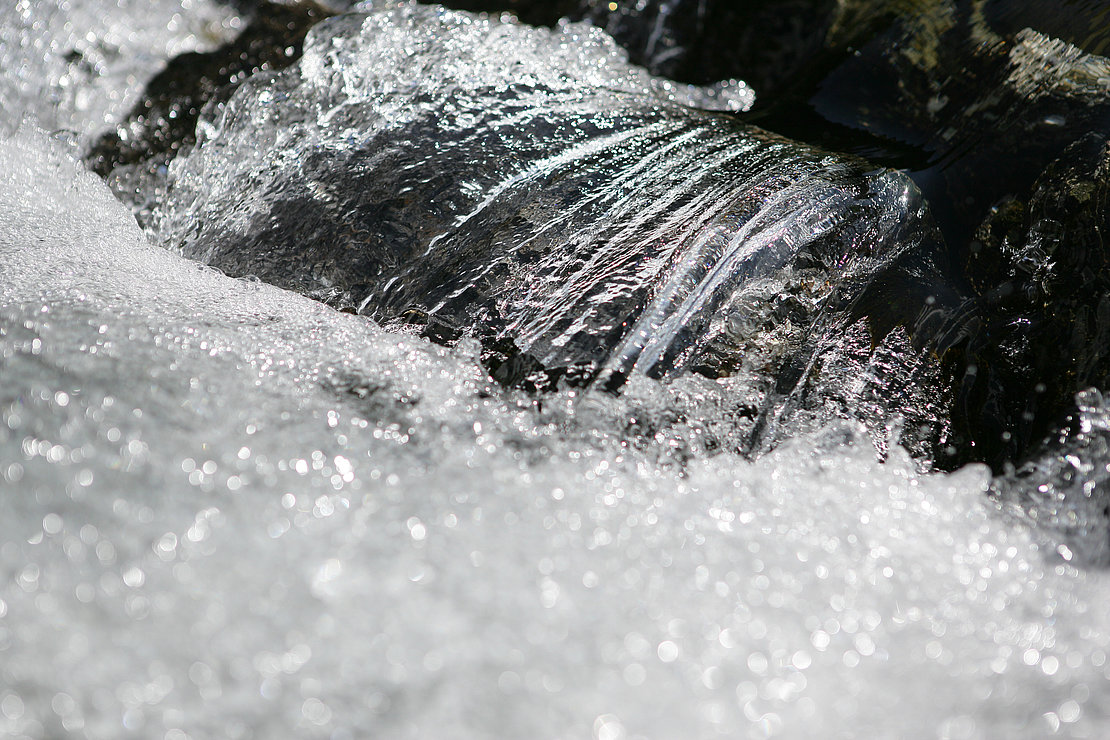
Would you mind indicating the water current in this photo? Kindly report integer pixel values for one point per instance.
(229, 509)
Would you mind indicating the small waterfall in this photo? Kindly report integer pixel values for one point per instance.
(516, 187)
(717, 261)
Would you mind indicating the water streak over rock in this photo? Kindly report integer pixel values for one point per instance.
(529, 187)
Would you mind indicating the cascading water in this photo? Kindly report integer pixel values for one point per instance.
(571, 204)
(228, 510)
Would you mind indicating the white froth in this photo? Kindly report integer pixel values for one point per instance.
(78, 65)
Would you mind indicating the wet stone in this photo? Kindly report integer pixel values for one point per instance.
(548, 199)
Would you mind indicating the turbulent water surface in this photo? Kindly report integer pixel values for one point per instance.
(229, 510)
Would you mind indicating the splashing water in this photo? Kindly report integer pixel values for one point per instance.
(231, 511)
(519, 183)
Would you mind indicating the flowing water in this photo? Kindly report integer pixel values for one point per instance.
(228, 510)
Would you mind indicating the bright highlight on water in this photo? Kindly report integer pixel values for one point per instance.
(230, 509)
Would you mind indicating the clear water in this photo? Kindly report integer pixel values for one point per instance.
(227, 510)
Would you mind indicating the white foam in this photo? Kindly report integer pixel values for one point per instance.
(79, 64)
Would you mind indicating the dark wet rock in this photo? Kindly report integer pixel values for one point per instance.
(532, 12)
(973, 98)
(696, 41)
(1044, 304)
(700, 41)
(996, 121)
(989, 112)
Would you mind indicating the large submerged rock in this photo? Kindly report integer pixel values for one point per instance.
(530, 188)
